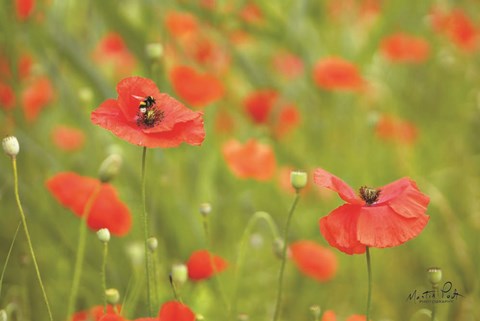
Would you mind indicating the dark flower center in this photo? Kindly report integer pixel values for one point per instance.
(148, 117)
(369, 195)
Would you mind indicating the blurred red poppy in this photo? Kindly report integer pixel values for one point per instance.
(288, 118)
(379, 217)
(96, 313)
(457, 26)
(314, 260)
(394, 129)
(166, 123)
(113, 53)
(24, 9)
(146, 319)
(335, 73)
(7, 97)
(112, 317)
(224, 122)
(175, 311)
(36, 96)
(259, 104)
(329, 315)
(207, 52)
(356, 317)
(68, 138)
(25, 64)
(107, 211)
(180, 23)
(402, 47)
(250, 160)
(288, 65)
(251, 13)
(195, 88)
(200, 265)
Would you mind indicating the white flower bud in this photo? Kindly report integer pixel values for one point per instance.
(10, 145)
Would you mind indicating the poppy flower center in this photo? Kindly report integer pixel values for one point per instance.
(369, 195)
(149, 116)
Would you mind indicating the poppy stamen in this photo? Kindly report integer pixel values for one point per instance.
(149, 117)
(369, 195)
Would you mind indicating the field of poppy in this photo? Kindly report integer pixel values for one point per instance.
(240, 160)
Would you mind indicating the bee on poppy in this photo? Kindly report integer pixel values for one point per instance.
(146, 103)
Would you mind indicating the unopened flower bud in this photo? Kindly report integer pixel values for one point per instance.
(103, 235)
(199, 317)
(3, 315)
(10, 145)
(152, 243)
(316, 310)
(243, 317)
(298, 179)
(434, 275)
(85, 95)
(278, 245)
(110, 168)
(154, 50)
(112, 296)
(205, 209)
(179, 273)
(136, 253)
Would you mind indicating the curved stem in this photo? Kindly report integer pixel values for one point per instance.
(8, 255)
(257, 216)
(146, 232)
(284, 257)
(82, 238)
(27, 234)
(104, 276)
(369, 270)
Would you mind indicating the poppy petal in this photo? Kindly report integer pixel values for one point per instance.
(325, 179)
(129, 90)
(314, 260)
(175, 311)
(404, 198)
(329, 315)
(339, 228)
(381, 226)
(200, 265)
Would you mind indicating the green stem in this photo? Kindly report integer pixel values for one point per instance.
(27, 234)
(8, 255)
(214, 267)
(257, 216)
(369, 270)
(174, 290)
(434, 309)
(146, 231)
(82, 238)
(104, 276)
(284, 257)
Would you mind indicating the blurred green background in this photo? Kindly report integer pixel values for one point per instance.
(438, 96)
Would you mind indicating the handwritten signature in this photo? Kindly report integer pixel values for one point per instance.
(445, 294)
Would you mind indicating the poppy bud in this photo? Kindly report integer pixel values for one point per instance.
(179, 273)
(10, 145)
(3, 315)
(103, 235)
(112, 296)
(298, 179)
(199, 317)
(243, 317)
(152, 244)
(278, 245)
(205, 209)
(85, 95)
(434, 275)
(109, 168)
(154, 50)
(316, 310)
(136, 253)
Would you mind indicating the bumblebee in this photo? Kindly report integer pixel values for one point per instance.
(146, 103)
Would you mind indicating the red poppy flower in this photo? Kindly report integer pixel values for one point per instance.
(251, 13)
(200, 265)
(7, 97)
(250, 160)
(36, 96)
(402, 47)
(195, 88)
(314, 260)
(457, 26)
(356, 317)
(73, 191)
(329, 315)
(112, 317)
(207, 53)
(288, 119)
(68, 138)
(96, 312)
(24, 8)
(395, 129)
(146, 319)
(175, 311)
(80, 316)
(113, 53)
(180, 23)
(335, 73)
(289, 65)
(382, 217)
(165, 123)
(259, 104)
